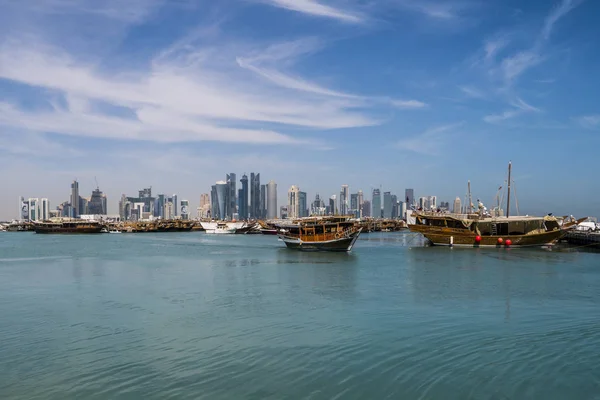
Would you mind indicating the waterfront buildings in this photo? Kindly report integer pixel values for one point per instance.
(361, 201)
(232, 207)
(243, 198)
(44, 210)
(376, 204)
(271, 200)
(219, 200)
(75, 199)
(332, 208)
(344, 197)
(293, 208)
(387, 205)
(317, 207)
(302, 204)
(366, 209)
(254, 195)
(263, 201)
(354, 207)
(185, 206)
(283, 212)
(204, 208)
(34, 210)
(409, 195)
(97, 204)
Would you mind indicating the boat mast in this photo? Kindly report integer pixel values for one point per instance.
(508, 196)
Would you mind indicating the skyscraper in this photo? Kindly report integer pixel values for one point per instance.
(232, 209)
(272, 200)
(394, 206)
(293, 208)
(376, 204)
(222, 191)
(332, 207)
(354, 210)
(243, 198)
(214, 206)
(185, 206)
(263, 201)
(409, 197)
(302, 204)
(204, 209)
(361, 200)
(366, 209)
(75, 199)
(254, 195)
(457, 206)
(387, 205)
(97, 203)
(45, 210)
(344, 197)
(34, 209)
(433, 202)
(23, 209)
(175, 206)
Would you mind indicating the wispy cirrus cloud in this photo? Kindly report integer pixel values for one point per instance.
(589, 121)
(436, 9)
(556, 14)
(519, 107)
(430, 142)
(316, 8)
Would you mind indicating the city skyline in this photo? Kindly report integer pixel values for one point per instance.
(347, 92)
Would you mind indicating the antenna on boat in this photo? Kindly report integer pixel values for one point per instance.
(508, 196)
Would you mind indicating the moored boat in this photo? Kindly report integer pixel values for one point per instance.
(218, 228)
(320, 234)
(68, 227)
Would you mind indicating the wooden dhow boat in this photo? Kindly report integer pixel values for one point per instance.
(320, 234)
(68, 227)
(484, 230)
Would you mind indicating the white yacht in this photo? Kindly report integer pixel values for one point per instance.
(219, 227)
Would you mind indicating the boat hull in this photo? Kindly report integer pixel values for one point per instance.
(68, 231)
(445, 237)
(338, 245)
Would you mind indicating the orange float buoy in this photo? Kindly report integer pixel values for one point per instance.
(508, 242)
(500, 240)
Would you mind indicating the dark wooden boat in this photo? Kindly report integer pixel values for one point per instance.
(68, 227)
(320, 234)
(268, 231)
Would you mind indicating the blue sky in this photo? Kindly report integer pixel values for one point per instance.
(392, 93)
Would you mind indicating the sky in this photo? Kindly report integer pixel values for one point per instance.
(388, 94)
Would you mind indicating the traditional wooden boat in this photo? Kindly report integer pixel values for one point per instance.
(482, 229)
(476, 231)
(68, 227)
(320, 234)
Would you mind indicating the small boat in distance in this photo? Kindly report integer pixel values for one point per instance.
(320, 234)
(218, 228)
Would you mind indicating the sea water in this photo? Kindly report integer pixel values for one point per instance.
(195, 316)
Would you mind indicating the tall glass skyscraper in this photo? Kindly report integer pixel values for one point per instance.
(254, 195)
(243, 198)
(376, 203)
(272, 200)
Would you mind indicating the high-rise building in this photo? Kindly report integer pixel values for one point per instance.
(361, 200)
(424, 203)
(433, 202)
(168, 211)
(83, 206)
(185, 207)
(409, 197)
(159, 206)
(243, 198)
(395, 211)
(271, 200)
(175, 206)
(317, 207)
(302, 204)
(34, 209)
(97, 203)
(222, 191)
(387, 205)
(123, 208)
(402, 210)
(354, 208)
(214, 205)
(283, 212)
(457, 206)
(366, 209)
(376, 204)
(45, 210)
(75, 199)
(204, 208)
(254, 195)
(332, 205)
(263, 201)
(232, 195)
(344, 198)
(293, 208)
(23, 209)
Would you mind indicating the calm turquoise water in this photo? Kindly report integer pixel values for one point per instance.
(190, 316)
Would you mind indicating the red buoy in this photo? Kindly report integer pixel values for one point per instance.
(508, 242)
(477, 239)
(500, 240)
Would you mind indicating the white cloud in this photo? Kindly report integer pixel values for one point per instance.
(472, 92)
(430, 142)
(560, 11)
(313, 7)
(408, 104)
(520, 107)
(589, 121)
(513, 66)
(440, 10)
